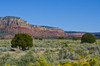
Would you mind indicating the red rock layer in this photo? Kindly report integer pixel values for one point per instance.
(9, 26)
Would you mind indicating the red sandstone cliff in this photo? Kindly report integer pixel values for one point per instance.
(9, 26)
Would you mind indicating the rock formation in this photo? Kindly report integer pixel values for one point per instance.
(9, 26)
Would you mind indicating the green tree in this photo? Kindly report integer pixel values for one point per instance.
(22, 41)
(88, 38)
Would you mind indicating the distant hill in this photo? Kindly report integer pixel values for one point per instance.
(97, 34)
(80, 34)
(48, 27)
(74, 32)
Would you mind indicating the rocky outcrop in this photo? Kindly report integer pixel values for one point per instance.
(74, 34)
(9, 26)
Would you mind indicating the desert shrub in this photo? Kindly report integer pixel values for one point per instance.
(83, 63)
(11, 62)
(35, 64)
(4, 59)
(66, 45)
(7, 65)
(68, 53)
(35, 38)
(51, 57)
(32, 64)
(88, 38)
(66, 63)
(92, 61)
(74, 63)
(60, 37)
(2, 38)
(48, 65)
(74, 38)
(22, 40)
(25, 60)
(39, 62)
(56, 64)
(3, 49)
(40, 38)
(81, 52)
(42, 61)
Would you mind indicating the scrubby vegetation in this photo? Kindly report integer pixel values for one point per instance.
(51, 52)
(75, 38)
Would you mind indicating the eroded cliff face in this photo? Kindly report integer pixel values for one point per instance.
(47, 32)
(9, 26)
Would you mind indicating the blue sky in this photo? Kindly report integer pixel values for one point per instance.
(70, 15)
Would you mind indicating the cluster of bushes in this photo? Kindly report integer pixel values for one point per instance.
(86, 38)
(89, 62)
(41, 61)
(61, 37)
(25, 41)
(38, 38)
(75, 38)
(54, 52)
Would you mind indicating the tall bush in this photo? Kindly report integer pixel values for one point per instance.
(88, 38)
(22, 41)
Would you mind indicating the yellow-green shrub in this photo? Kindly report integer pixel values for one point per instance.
(74, 63)
(83, 63)
(92, 61)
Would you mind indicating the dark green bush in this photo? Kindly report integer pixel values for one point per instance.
(22, 41)
(74, 38)
(35, 38)
(61, 38)
(40, 38)
(88, 38)
(2, 38)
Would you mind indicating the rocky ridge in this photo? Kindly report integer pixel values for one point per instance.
(10, 25)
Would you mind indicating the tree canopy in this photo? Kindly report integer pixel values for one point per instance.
(22, 41)
(88, 38)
